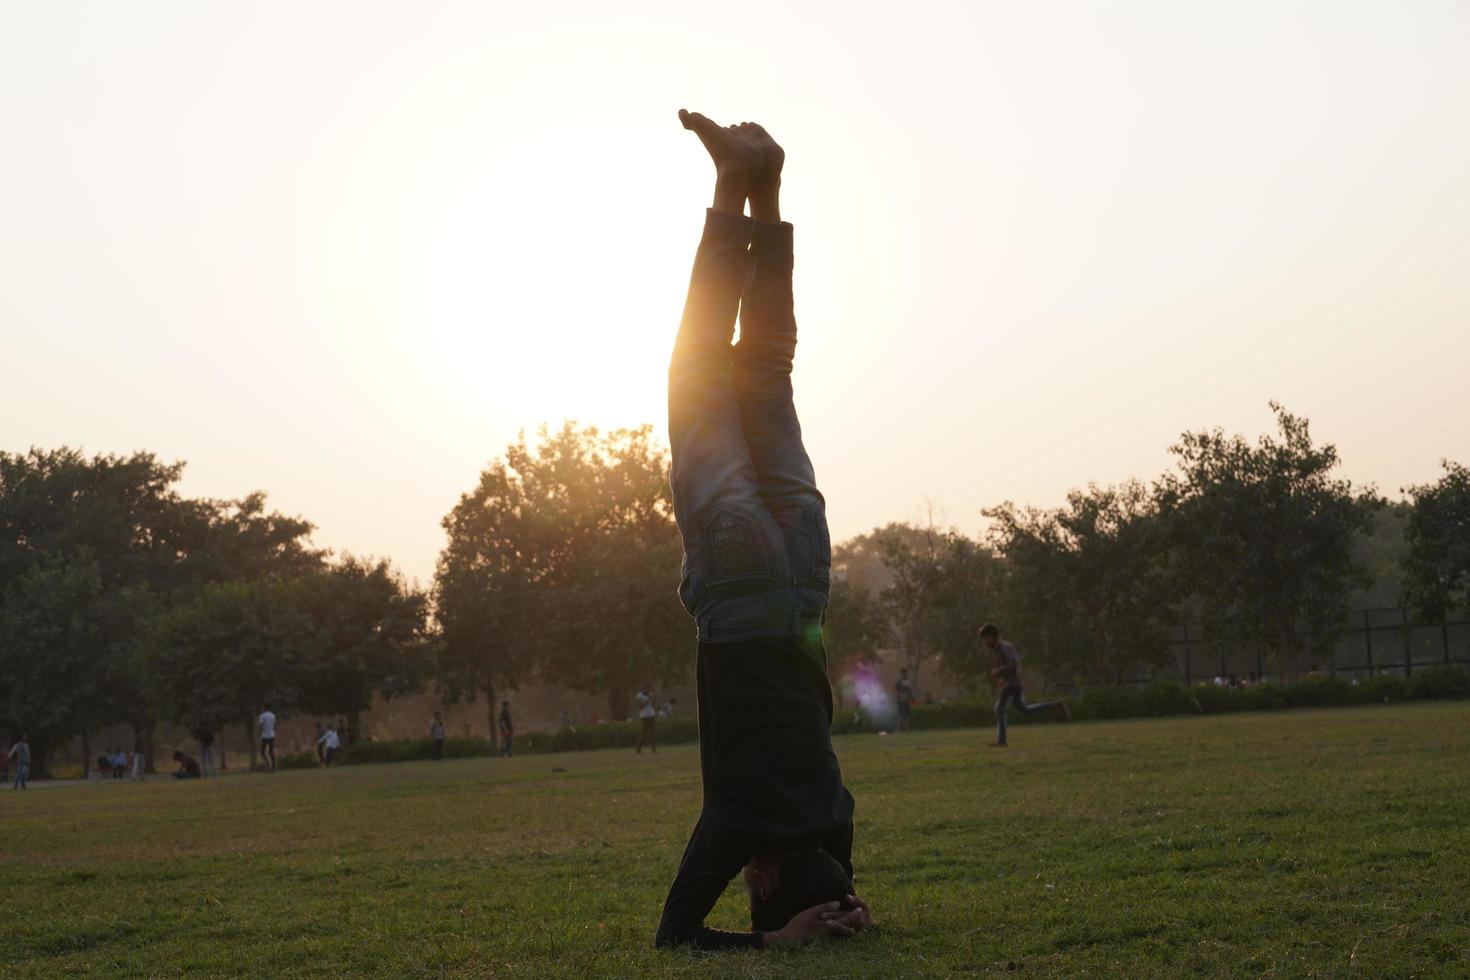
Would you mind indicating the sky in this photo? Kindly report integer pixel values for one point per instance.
(343, 252)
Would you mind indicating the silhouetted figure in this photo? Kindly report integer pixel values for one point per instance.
(647, 722)
(189, 767)
(756, 575)
(903, 696)
(507, 729)
(1006, 672)
(267, 725)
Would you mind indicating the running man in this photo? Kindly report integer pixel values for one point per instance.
(267, 724)
(1005, 673)
(755, 577)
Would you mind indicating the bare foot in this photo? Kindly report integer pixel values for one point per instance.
(734, 149)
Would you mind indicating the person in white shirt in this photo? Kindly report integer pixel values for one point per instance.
(330, 743)
(267, 724)
(649, 719)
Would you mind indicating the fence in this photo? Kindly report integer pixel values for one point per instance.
(1372, 641)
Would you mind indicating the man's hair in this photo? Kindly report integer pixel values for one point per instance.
(990, 629)
(804, 878)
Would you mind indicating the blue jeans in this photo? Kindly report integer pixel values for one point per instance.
(22, 769)
(757, 554)
(1012, 696)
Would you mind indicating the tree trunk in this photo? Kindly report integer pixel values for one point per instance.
(220, 744)
(86, 753)
(40, 759)
(354, 726)
(494, 729)
(618, 698)
(1287, 653)
(148, 760)
(250, 740)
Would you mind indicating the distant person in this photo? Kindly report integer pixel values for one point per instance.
(436, 735)
(566, 721)
(1005, 672)
(670, 706)
(266, 723)
(330, 742)
(188, 766)
(20, 754)
(140, 760)
(647, 722)
(507, 729)
(928, 698)
(204, 738)
(903, 696)
(345, 736)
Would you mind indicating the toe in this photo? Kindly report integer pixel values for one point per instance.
(696, 121)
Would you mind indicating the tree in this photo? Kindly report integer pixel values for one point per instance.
(367, 637)
(1089, 585)
(561, 560)
(216, 657)
(1265, 534)
(1437, 563)
(938, 586)
(108, 533)
(53, 680)
(854, 630)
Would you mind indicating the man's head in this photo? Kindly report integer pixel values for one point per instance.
(265, 707)
(781, 885)
(903, 672)
(436, 716)
(990, 635)
(178, 756)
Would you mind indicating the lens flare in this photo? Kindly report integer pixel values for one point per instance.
(863, 686)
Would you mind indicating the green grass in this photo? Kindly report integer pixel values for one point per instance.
(1295, 844)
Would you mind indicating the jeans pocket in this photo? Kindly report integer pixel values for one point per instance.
(735, 547)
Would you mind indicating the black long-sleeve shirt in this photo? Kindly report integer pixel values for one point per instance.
(771, 779)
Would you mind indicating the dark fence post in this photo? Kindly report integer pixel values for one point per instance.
(1368, 638)
(1187, 653)
(1408, 643)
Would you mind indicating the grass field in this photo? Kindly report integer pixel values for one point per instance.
(1300, 843)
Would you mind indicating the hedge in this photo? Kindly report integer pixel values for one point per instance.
(1150, 701)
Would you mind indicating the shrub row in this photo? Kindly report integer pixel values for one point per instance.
(617, 735)
(1149, 701)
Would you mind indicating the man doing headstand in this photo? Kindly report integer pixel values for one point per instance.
(756, 574)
